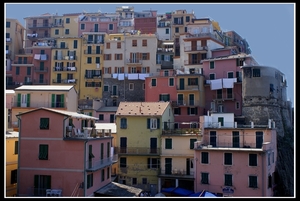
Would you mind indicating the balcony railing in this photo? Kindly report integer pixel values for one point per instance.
(181, 131)
(41, 70)
(65, 81)
(134, 61)
(42, 82)
(66, 57)
(189, 88)
(92, 52)
(94, 165)
(70, 68)
(171, 50)
(38, 25)
(185, 103)
(195, 48)
(207, 145)
(177, 172)
(137, 151)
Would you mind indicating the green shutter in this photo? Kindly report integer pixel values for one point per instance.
(52, 100)
(28, 100)
(158, 123)
(19, 100)
(148, 123)
(188, 110)
(62, 100)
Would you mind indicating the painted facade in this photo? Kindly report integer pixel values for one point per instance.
(9, 100)
(49, 170)
(34, 96)
(145, 21)
(234, 159)
(139, 129)
(11, 166)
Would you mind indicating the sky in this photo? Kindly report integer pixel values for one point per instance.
(269, 28)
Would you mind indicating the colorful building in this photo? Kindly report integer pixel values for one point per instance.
(28, 97)
(235, 159)
(55, 160)
(139, 129)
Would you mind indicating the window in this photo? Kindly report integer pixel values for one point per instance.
(17, 70)
(211, 65)
(101, 117)
(102, 174)
(28, 70)
(118, 45)
(75, 44)
(107, 45)
(253, 181)
(228, 179)
(204, 157)
(97, 61)
(89, 60)
(167, 31)
(252, 159)
(123, 123)
(105, 88)
(13, 176)
(56, 32)
(16, 147)
(118, 57)
(153, 163)
(269, 181)
(176, 29)
(134, 181)
(145, 56)
(43, 152)
(67, 31)
(168, 143)
(144, 180)
(144, 43)
(227, 158)
(134, 43)
(107, 56)
(110, 27)
(7, 24)
(230, 75)
(192, 81)
(44, 123)
(164, 97)
(229, 93)
(256, 72)
(171, 81)
(269, 158)
(90, 180)
(192, 111)
(153, 82)
(211, 76)
(67, 20)
(131, 86)
(177, 111)
(187, 18)
(192, 143)
(82, 26)
(107, 173)
(153, 123)
(204, 178)
(123, 162)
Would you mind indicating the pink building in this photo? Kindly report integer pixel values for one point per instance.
(223, 84)
(184, 91)
(235, 160)
(60, 157)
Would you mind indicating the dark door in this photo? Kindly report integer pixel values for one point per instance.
(153, 145)
(123, 145)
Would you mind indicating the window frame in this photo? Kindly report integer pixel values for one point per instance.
(227, 160)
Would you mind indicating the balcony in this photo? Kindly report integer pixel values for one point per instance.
(137, 151)
(40, 82)
(41, 70)
(195, 48)
(247, 146)
(34, 36)
(64, 81)
(95, 165)
(38, 25)
(61, 57)
(134, 61)
(204, 35)
(177, 173)
(193, 62)
(189, 88)
(181, 131)
(64, 69)
(42, 192)
(171, 50)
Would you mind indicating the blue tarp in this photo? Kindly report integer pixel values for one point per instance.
(178, 191)
(204, 194)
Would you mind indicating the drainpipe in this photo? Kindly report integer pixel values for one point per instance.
(19, 142)
(84, 170)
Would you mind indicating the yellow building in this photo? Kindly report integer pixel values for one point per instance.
(14, 37)
(11, 159)
(28, 97)
(66, 61)
(139, 129)
(65, 25)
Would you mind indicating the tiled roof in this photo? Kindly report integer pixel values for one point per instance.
(142, 108)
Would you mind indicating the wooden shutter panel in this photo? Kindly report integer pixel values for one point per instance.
(19, 100)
